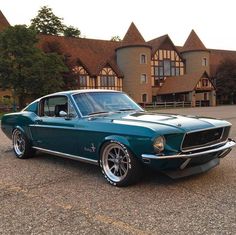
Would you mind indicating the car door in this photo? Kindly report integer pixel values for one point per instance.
(55, 128)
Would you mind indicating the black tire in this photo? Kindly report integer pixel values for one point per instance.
(21, 145)
(118, 165)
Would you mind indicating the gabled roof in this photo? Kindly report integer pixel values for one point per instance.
(3, 22)
(193, 43)
(91, 53)
(163, 42)
(180, 84)
(133, 36)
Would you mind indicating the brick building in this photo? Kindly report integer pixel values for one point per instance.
(148, 71)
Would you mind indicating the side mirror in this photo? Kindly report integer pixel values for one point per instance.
(62, 113)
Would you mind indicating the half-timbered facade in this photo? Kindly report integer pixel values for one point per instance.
(149, 71)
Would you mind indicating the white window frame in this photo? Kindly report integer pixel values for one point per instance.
(141, 61)
(141, 78)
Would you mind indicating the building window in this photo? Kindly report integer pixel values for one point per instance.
(204, 82)
(166, 63)
(143, 79)
(204, 62)
(144, 98)
(109, 80)
(82, 81)
(82, 78)
(143, 59)
(167, 67)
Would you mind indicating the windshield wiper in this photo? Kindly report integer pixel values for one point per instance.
(127, 109)
(101, 112)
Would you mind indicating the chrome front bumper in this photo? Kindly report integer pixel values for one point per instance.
(224, 149)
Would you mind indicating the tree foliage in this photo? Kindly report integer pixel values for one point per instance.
(226, 80)
(69, 77)
(46, 22)
(24, 68)
(116, 38)
(71, 31)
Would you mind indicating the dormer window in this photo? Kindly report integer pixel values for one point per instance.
(143, 59)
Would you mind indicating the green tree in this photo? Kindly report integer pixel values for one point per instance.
(71, 31)
(69, 78)
(116, 38)
(24, 68)
(226, 81)
(46, 22)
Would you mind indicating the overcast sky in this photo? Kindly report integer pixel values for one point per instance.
(213, 20)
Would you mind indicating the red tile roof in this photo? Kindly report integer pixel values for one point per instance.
(133, 36)
(91, 53)
(218, 56)
(193, 43)
(180, 84)
(163, 42)
(3, 22)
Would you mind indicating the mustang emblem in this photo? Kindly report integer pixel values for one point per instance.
(90, 149)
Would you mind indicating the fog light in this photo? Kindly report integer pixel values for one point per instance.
(159, 144)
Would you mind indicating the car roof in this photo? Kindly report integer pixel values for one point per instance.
(72, 92)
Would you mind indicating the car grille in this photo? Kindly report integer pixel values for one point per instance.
(205, 138)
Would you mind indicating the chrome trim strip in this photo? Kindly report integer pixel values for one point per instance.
(53, 127)
(203, 146)
(228, 145)
(65, 155)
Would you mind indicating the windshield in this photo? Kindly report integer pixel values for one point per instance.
(104, 102)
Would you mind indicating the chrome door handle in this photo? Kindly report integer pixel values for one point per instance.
(39, 121)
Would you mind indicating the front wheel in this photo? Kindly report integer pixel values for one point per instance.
(118, 165)
(21, 145)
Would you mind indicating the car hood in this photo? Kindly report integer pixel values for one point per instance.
(163, 121)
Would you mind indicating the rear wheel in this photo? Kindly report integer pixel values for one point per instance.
(21, 145)
(118, 164)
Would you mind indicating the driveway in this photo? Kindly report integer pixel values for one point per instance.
(51, 195)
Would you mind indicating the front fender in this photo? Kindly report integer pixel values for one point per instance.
(137, 146)
(118, 138)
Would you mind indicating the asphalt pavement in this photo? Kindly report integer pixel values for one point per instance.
(52, 195)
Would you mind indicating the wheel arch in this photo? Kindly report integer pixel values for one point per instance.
(115, 138)
(25, 131)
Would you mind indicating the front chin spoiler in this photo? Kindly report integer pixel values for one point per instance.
(176, 174)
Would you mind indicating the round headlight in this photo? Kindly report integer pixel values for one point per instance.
(159, 144)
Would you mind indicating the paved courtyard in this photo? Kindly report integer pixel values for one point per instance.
(51, 195)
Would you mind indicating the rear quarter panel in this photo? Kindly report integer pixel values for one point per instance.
(20, 120)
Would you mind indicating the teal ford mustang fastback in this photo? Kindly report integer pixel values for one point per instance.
(109, 129)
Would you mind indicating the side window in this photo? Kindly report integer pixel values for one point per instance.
(72, 111)
(52, 106)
